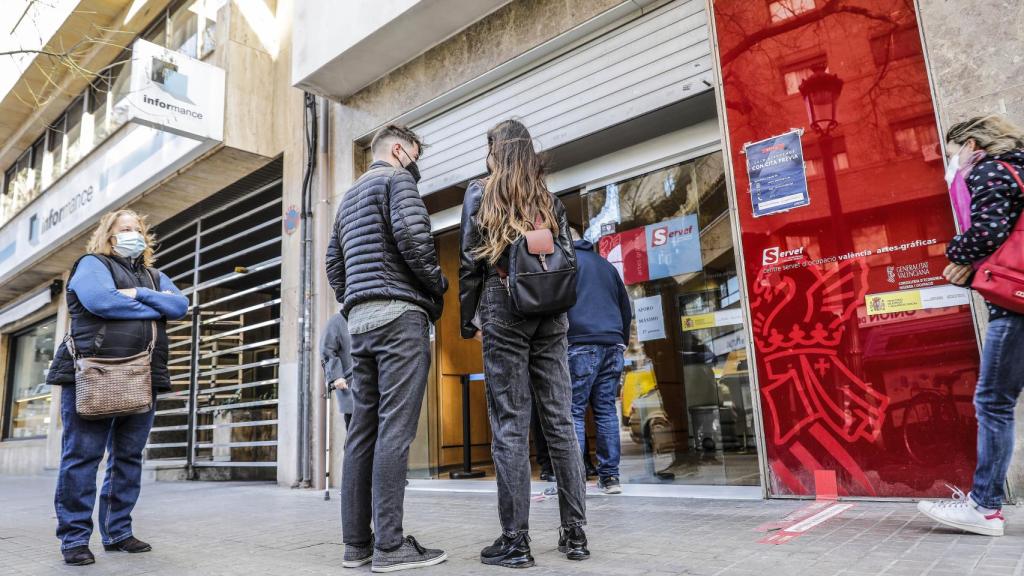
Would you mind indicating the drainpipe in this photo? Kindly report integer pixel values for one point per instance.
(322, 308)
(309, 124)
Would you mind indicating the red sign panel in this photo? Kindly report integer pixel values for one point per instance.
(866, 359)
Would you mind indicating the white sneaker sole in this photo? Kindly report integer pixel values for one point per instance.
(356, 563)
(616, 490)
(411, 565)
(965, 527)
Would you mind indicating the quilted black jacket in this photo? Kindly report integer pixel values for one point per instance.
(381, 247)
(473, 272)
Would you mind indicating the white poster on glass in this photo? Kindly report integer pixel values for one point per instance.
(650, 319)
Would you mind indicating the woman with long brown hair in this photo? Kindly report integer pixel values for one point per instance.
(525, 357)
(119, 306)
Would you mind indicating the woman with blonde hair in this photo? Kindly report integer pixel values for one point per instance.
(986, 161)
(116, 299)
(525, 357)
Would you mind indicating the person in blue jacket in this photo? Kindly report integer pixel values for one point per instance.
(599, 329)
(115, 299)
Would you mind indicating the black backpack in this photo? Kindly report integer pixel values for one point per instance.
(541, 277)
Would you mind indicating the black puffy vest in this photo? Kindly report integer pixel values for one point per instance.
(95, 336)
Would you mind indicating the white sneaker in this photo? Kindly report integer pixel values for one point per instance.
(963, 514)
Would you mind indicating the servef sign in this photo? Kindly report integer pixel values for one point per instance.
(171, 91)
(775, 255)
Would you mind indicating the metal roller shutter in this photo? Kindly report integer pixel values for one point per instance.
(654, 60)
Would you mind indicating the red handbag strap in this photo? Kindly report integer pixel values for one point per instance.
(538, 222)
(1020, 188)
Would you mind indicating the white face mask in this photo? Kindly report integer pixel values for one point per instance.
(954, 165)
(129, 244)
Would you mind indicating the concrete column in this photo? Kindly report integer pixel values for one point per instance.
(973, 78)
(342, 174)
(287, 127)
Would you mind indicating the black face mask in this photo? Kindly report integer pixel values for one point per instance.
(412, 167)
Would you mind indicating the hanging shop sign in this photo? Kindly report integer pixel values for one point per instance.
(660, 250)
(174, 92)
(778, 180)
(175, 114)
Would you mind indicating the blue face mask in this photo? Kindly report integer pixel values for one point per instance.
(129, 244)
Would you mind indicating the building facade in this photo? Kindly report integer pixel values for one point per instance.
(782, 345)
(166, 108)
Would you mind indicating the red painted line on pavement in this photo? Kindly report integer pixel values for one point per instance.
(799, 521)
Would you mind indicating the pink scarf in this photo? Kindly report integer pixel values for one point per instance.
(960, 194)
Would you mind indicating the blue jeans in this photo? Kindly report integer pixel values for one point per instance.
(596, 372)
(83, 445)
(999, 385)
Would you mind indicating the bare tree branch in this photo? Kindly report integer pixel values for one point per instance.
(829, 8)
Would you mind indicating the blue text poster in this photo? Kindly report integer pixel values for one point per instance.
(775, 167)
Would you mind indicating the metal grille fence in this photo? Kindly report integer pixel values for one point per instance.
(224, 356)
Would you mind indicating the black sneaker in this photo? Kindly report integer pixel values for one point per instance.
(78, 556)
(356, 555)
(406, 557)
(610, 485)
(573, 543)
(131, 545)
(591, 471)
(508, 552)
(547, 476)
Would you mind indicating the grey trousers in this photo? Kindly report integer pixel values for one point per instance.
(389, 379)
(527, 358)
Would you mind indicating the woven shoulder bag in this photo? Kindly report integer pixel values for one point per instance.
(109, 387)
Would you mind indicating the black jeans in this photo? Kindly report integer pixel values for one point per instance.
(389, 379)
(540, 444)
(526, 359)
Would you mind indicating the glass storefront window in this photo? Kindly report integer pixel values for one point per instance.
(55, 144)
(38, 149)
(98, 93)
(686, 412)
(184, 32)
(28, 406)
(193, 27)
(76, 146)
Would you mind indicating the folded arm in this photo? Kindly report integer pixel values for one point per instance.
(95, 288)
(168, 301)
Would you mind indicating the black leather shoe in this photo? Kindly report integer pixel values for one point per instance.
(132, 545)
(573, 543)
(508, 552)
(78, 556)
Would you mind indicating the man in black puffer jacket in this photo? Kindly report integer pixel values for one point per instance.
(383, 267)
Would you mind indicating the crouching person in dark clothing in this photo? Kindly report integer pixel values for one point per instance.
(116, 299)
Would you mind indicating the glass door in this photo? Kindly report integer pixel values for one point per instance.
(685, 408)
(28, 407)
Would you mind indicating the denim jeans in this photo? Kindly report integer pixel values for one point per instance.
(999, 385)
(83, 445)
(388, 382)
(525, 359)
(596, 372)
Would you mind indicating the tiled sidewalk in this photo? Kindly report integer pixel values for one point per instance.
(212, 529)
